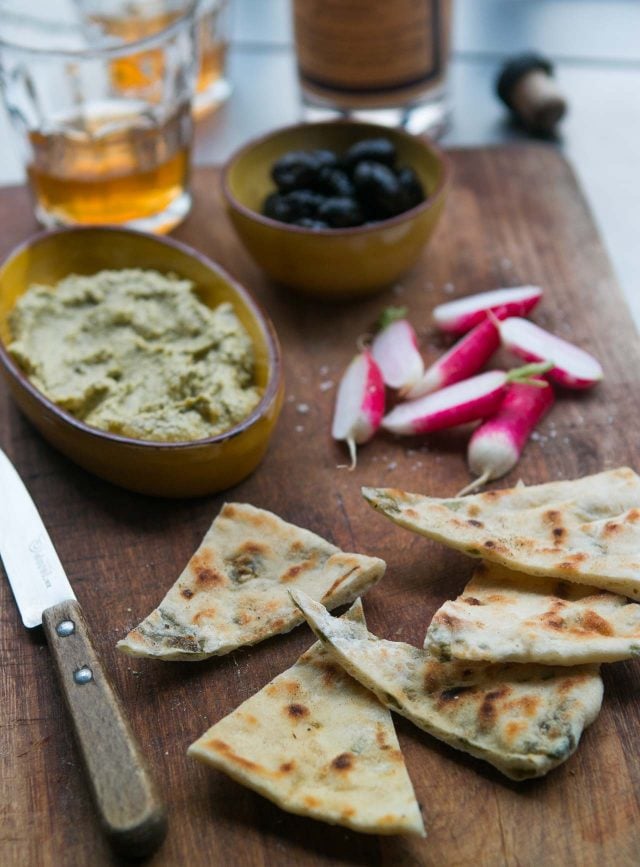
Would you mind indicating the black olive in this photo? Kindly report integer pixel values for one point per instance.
(303, 203)
(294, 171)
(412, 189)
(378, 190)
(309, 223)
(334, 182)
(380, 150)
(324, 158)
(340, 212)
(277, 207)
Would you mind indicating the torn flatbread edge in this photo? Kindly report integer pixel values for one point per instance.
(243, 771)
(516, 766)
(576, 627)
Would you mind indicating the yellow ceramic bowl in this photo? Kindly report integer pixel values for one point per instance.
(332, 263)
(180, 469)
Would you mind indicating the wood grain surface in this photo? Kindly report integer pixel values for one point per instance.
(515, 216)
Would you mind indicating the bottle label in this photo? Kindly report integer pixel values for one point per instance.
(371, 48)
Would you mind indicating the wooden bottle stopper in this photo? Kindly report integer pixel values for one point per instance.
(527, 87)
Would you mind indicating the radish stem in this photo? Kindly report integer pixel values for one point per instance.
(389, 315)
(525, 374)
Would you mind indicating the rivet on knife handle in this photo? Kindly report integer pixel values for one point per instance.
(130, 811)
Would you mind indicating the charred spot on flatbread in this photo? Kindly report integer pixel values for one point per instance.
(343, 762)
(335, 756)
(585, 530)
(523, 719)
(234, 590)
(549, 621)
(296, 711)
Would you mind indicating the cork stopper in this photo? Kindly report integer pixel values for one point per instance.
(527, 87)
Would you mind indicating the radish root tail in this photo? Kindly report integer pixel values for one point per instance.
(477, 483)
(352, 454)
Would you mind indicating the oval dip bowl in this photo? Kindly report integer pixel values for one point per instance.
(333, 263)
(176, 469)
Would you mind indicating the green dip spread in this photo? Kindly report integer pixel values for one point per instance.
(136, 353)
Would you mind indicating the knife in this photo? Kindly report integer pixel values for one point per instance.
(125, 796)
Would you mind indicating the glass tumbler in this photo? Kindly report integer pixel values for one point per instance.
(104, 121)
(136, 19)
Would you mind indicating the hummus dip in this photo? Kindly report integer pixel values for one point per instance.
(136, 353)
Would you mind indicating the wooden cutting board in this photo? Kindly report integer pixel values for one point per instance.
(515, 216)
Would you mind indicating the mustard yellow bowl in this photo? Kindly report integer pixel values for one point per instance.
(177, 469)
(332, 263)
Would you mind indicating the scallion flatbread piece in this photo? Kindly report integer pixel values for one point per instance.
(234, 590)
(522, 719)
(586, 531)
(318, 744)
(505, 616)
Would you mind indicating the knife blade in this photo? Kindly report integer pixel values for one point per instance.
(131, 812)
(33, 567)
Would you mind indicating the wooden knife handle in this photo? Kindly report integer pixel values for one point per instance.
(131, 812)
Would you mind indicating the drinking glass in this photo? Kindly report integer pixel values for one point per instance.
(135, 19)
(104, 122)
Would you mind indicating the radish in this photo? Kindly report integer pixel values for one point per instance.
(464, 358)
(572, 367)
(359, 403)
(460, 316)
(395, 349)
(469, 400)
(496, 445)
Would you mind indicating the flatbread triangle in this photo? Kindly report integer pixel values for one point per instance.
(522, 719)
(318, 744)
(234, 590)
(505, 616)
(586, 531)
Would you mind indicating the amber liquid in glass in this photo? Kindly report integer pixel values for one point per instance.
(114, 164)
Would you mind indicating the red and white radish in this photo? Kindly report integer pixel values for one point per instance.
(469, 400)
(495, 447)
(572, 366)
(465, 358)
(395, 350)
(359, 403)
(457, 317)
